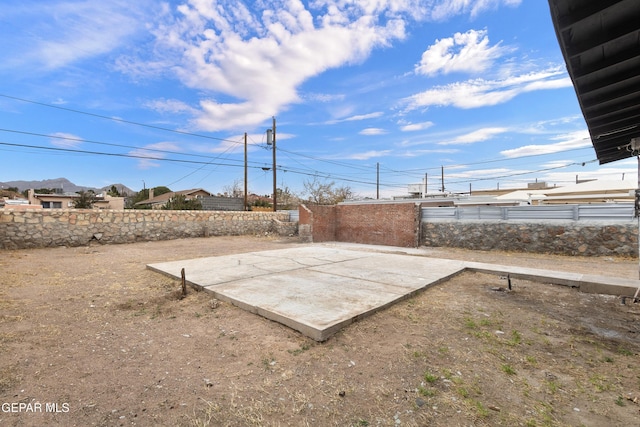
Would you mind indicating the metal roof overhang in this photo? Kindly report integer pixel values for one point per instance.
(600, 42)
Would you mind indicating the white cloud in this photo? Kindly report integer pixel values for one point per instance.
(476, 136)
(372, 131)
(324, 97)
(364, 116)
(412, 127)
(557, 164)
(417, 153)
(464, 52)
(151, 152)
(258, 60)
(254, 58)
(369, 154)
(68, 32)
(445, 9)
(570, 141)
(481, 93)
(172, 106)
(65, 140)
(356, 118)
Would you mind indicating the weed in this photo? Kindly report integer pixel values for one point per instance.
(486, 322)
(470, 323)
(484, 334)
(463, 392)
(443, 350)
(531, 360)
(198, 314)
(363, 423)
(508, 369)
(516, 338)
(619, 401)
(608, 359)
(430, 378)
(300, 350)
(599, 383)
(457, 380)
(427, 392)
(413, 318)
(481, 409)
(623, 351)
(553, 386)
(418, 354)
(268, 362)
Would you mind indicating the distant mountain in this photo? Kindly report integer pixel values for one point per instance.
(63, 184)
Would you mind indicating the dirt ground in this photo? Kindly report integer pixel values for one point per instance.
(89, 336)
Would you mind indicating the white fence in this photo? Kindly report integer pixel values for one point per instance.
(595, 212)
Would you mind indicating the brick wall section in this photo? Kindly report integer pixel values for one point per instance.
(322, 220)
(75, 227)
(387, 224)
(551, 237)
(383, 224)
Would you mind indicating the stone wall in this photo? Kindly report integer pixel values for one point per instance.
(552, 237)
(305, 221)
(75, 227)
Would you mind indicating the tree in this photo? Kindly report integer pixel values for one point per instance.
(325, 193)
(180, 203)
(85, 199)
(157, 191)
(287, 199)
(234, 190)
(138, 197)
(113, 191)
(144, 195)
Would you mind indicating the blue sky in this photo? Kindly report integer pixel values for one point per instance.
(477, 87)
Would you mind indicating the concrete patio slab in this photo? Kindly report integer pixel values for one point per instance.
(314, 290)
(317, 290)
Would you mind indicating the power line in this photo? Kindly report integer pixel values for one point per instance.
(421, 171)
(520, 173)
(134, 156)
(157, 150)
(115, 119)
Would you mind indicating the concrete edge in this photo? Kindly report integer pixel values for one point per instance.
(593, 284)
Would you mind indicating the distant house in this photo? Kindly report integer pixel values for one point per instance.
(65, 201)
(160, 201)
(595, 191)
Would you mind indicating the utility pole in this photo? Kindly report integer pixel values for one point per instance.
(271, 139)
(245, 172)
(442, 167)
(377, 180)
(424, 194)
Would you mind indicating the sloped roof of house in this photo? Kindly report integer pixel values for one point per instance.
(163, 198)
(589, 188)
(597, 186)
